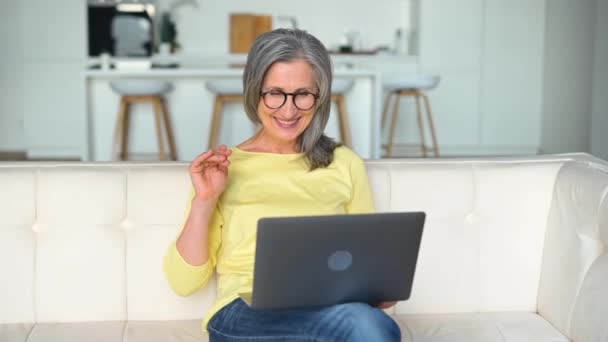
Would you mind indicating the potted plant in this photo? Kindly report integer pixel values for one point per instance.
(168, 34)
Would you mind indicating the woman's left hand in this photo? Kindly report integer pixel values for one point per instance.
(385, 305)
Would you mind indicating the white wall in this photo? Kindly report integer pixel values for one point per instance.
(568, 76)
(205, 30)
(599, 119)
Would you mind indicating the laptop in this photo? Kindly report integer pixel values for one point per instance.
(326, 260)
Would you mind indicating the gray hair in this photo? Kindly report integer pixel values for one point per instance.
(285, 45)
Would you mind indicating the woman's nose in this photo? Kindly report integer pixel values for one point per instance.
(289, 108)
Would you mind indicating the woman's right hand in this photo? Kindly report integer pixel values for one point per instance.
(209, 173)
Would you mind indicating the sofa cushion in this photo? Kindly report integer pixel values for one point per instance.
(512, 203)
(482, 327)
(80, 246)
(15, 332)
(149, 232)
(17, 215)
(77, 332)
(132, 331)
(165, 331)
(486, 327)
(73, 195)
(484, 229)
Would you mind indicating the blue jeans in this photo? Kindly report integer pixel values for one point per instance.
(344, 322)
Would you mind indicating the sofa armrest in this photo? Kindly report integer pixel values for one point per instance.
(573, 292)
(590, 316)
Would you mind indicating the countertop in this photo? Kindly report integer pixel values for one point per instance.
(203, 71)
(232, 65)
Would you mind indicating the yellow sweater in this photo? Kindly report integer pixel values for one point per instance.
(265, 185)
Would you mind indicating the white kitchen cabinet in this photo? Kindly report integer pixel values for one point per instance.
(512, 73)
(489, 54)
(53, 105)
(450, 35)
(450, 46)
(11, 79)
(11, 106)
(455, 105)
(54, 30)
(53, 38)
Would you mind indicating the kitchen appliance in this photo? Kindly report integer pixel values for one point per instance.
(120, 28)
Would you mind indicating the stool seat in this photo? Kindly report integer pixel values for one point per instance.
(420, 82)
(140, 87)
(341, 86)
(225, 87)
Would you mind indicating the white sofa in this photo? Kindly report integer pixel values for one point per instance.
(513, 250)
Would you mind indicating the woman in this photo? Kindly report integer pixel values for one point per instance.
(288, 168)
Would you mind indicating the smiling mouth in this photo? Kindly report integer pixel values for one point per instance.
(287, 123)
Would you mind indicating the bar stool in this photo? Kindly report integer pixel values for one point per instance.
(414, 86)
(147, 91)
(227, 91)
(339, 87)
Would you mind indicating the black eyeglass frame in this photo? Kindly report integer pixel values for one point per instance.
(293, 98)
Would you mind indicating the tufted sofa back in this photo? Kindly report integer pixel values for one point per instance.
(84, 242)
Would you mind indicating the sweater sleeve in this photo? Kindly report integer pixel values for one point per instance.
(361, 201)
(184, 278)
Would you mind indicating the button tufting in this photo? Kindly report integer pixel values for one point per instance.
(126, 224)
(472, 217)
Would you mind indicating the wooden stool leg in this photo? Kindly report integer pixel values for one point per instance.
(391, 137)
(124, 145)
(431, 124)
(216, 121)
(387, 102)
(168, 129)
(345, 135)
(116, 144)
(420, 125)
(158, 120)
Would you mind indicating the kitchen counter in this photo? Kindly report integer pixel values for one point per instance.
(190, 105)
(203, 71)
(219, 63)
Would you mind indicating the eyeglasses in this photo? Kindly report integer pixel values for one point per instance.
(275, 99)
